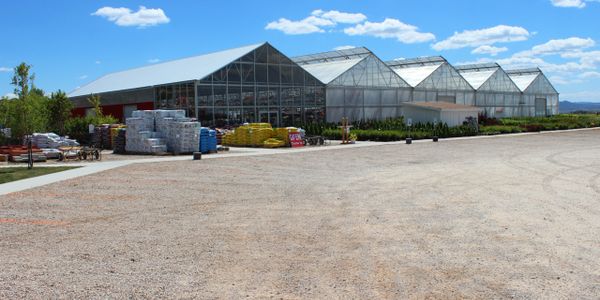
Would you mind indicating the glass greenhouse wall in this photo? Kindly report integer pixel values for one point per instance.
(495, 91)
(359, 85)
(539, 97)
(434, 79)
(262, 86)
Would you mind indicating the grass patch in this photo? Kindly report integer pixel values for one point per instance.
(17, 173)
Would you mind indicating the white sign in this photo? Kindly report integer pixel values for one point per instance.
(409, 122)
(91, 128)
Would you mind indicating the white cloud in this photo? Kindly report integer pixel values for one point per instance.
(5, 69)
(304, 26)
(391, 28)
(588, 75)
(568, 3)
(491, 50)
(481, 37)
(315, 22)
(340, 17)
(293, 27)
(98, 62)
(123, 16)
(153, 60)
(10, 96)
(344, 48)
(82, 77)
(563, 45)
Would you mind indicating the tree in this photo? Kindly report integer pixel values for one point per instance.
(95, 102)
(23, 83)
(21, 80)
(59, 111)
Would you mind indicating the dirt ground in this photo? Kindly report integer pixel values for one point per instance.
(508, 217)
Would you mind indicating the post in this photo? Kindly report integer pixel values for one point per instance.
(29, 154)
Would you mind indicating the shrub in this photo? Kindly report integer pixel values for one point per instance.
(499, 129)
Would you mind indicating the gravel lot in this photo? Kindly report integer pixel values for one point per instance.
(507, 217)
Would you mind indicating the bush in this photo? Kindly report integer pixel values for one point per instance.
(500, 129)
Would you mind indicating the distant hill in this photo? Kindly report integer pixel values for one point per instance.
(567, 106)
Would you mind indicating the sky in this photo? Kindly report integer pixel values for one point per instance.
(70, 43)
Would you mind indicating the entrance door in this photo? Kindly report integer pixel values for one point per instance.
(269, 116)
(540, 106)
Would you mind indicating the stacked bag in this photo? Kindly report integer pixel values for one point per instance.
(140, 136)
(51, 140)
(208, 140)
(119, 141)
(259, 135)
(156, 131)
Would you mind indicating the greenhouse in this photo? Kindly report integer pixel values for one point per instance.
(257, 83)
(433, 79)
(539, 97)
(358, 84)
(495, 91)
(247, 84)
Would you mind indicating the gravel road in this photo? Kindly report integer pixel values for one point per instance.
(507, 217)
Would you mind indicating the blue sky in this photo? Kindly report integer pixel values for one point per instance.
(70, 43)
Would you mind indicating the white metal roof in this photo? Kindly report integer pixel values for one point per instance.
(186, 69)
(523, 81)
(415, 75)
(328, 71)
(477, 78)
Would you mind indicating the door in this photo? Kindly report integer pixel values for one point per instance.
(540, 106)
(269, 116)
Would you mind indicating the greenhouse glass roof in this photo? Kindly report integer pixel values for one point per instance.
(523, 78)
(328, 71)
(337, 55)
(416, 74)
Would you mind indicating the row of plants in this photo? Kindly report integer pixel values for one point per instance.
(424, 131)
(536, 124)
(395, 129)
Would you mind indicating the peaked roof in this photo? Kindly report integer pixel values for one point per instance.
(415, 70)
(477, 74)
(333, 67)
(523, 78)
(328, 71)
(417, 74)
(186, 69)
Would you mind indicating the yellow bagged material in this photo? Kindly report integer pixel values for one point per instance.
(253, 134)
(273, 143)
(283, 133)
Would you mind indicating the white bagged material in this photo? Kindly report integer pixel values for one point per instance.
(155, 131)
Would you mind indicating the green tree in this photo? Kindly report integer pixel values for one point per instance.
(59, 111)
(19, 118)
(95, 102)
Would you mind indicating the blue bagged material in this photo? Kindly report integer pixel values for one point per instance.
(208, 140)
